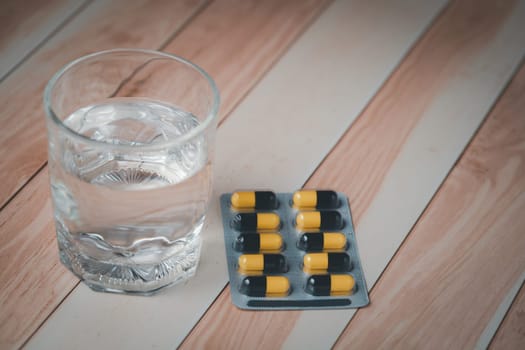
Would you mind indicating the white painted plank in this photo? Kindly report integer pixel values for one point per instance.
(275, 138)
(429, 153)
(29, 32)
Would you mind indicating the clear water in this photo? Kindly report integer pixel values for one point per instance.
(130, 221)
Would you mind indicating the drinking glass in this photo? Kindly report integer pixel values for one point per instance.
(131, 143)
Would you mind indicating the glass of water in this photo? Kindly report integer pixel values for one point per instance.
(131, 143)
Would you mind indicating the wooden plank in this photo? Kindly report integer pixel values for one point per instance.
(103, 25)
(25, 25)
(497, 317)
(281, 103)
(465, 252)
(511, 334)
(31, 291)
(402, 130)
(282, 23)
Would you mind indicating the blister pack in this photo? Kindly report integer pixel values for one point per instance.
(292, 250)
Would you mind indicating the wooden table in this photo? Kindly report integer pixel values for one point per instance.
(414, 109)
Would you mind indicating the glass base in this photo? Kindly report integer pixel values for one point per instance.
(131, 278)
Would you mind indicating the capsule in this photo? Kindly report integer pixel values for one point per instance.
(256, 221)
(268, 263)
(263, 200)
(315, 199)
(324, 285)
(265, 286)
(331, 262)
(255, 242)
(318, 220)
(311, 242)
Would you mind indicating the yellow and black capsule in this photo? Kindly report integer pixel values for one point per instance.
(324, 285)
(312, 242)
(265, 286)
(256, 242)
(315, 199)
(261, 200)
(268, 263)
(318, 220)
(331, 262)
(256, 221)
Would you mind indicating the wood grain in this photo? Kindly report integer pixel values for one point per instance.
(511, 334)
(224, 326)
(24, 25)
(299, 97)
(465, 252)
(103, 25)
(31, 282)
(364, 162)
(281, 21)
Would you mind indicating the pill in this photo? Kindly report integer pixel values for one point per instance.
(322, 241)
(270, 263)
(255, 242)
(315, 199)
(265, 200)
(315, 220)
(324, 285)
(331, 262)
(256, 221)
(265, 286)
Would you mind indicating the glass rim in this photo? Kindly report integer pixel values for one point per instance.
(199, 129)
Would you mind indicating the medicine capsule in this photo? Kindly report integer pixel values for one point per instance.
(256, 221)
(265, 200)
(269, 263)
(315, 199)
(331, 262)
(318, 220)
(322, 241)
(324, 285)
(255, 242)
(265, 286)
